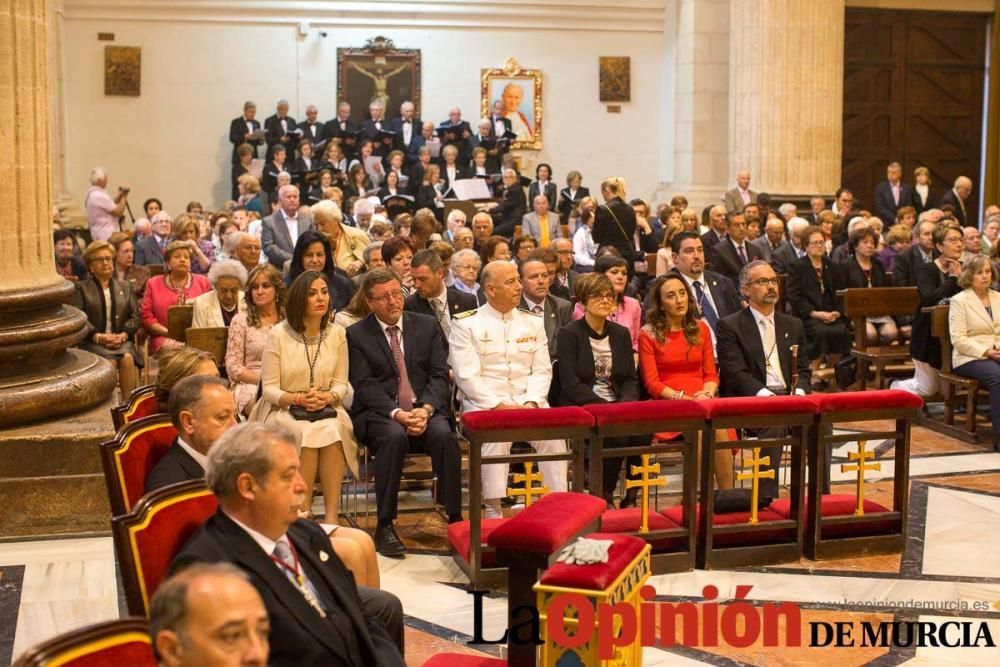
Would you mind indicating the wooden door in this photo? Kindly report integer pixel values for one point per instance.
(913, 93)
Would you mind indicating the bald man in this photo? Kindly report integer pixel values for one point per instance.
(741, 195)
(957, 198)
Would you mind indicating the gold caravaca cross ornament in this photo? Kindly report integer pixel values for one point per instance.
(645, 482)
(528, 491)
(860, 467)
(755, 475)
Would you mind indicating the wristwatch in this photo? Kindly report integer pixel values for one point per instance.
(430, 410)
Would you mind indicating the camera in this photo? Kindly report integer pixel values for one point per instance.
(322, 33)
(124, 190)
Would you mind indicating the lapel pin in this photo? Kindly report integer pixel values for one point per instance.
(323, 556)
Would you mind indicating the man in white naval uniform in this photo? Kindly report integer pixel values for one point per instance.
(500, 356)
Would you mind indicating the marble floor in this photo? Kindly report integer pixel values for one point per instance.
(948, 572)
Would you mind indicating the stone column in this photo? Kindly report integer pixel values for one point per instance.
(40, 378)
(786, 78)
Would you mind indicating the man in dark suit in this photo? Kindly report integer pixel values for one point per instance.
(755, 352)
(458, 134)
(402, 398)
(785, 255)
(512, 206)
(280, 129)
(892, 193)
(426, 137)
(310, 596)
(376, 123)
(343, 129)
(904, 273)
(535, 298)
(242, 128)
(717, 227)
(431, 296)
(500, 124)
(772, 238)
(407, 126)
(150, 249)
(562, 278)
(729, 256)
(956, 199)
(713, 293)
(312, 129)
(201, 408)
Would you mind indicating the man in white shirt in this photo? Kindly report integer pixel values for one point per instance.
(103, 211)
(500, 357)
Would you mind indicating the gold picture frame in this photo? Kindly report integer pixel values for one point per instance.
(521, 92)
(122, 70)
(615, 78)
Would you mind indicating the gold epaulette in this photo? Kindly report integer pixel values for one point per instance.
(465, 313)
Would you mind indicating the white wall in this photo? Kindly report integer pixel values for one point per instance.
(199, 66)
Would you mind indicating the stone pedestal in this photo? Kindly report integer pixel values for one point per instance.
(40, 379)
(786, 78)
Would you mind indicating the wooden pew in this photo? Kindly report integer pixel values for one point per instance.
(958, 391)
(863, 302)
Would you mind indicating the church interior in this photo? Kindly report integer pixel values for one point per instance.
(752, 244)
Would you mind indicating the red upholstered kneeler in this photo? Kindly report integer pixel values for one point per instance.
(763, 545)
(458, 538)
(572, 424)
(833, 530)
(664, 534)
(647, 417)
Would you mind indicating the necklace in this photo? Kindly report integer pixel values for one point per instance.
(180, 290)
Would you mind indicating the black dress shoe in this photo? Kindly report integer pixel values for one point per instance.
(455, 518)
(387, 542)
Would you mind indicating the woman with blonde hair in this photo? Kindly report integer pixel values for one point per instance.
(177, 363)
(670, 218)
(614, 220)
(265, 295)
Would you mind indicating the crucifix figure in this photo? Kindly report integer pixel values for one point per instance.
(755, 475)
(644, 483)
(529, 492)
(860, 467)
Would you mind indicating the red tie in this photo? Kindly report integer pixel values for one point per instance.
(404, 394)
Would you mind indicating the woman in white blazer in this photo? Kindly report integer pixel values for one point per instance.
(217, 308)
(974, 325)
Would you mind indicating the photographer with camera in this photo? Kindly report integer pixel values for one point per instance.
(103, 212)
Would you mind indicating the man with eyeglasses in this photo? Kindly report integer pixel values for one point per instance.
(755, 352)
(402, 400)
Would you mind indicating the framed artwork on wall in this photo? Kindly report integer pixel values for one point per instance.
(122, 70)
(615, 78)
(519, 92)
(378, 72)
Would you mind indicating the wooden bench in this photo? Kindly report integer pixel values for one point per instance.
(958, 391)
(210, 339)
(861, 303)
(179, 320)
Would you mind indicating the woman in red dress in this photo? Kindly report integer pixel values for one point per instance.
(676, 358)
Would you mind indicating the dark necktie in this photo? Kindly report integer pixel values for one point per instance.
(404, 393)
(743, 256)
(707, 311)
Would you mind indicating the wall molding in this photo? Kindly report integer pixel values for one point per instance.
(645, 16)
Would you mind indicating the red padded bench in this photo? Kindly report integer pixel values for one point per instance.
(483, 426)
(529, 543)
(674, 542)
(833, 529)
(779, 539)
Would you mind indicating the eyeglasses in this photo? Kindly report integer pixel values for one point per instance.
(765, 282)
(817, 243)
(102, 259)
(467, 267)
(564, 252)
(390, 296)
(603, 297)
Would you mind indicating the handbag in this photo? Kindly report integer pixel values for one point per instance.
(845, 371)
(299, 413)
(729, 501)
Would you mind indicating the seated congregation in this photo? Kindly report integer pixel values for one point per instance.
(345, 317)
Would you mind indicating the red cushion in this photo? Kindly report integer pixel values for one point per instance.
(598, 576)
(759, 406)
(133, 652)
(169, 524)
(627, 521)
(645, 411)
(676, 514)
(549, 523)
(883, 399)
(842, 504)
(458, 538)
(140, 453)
(464, 660)
(492, 420)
